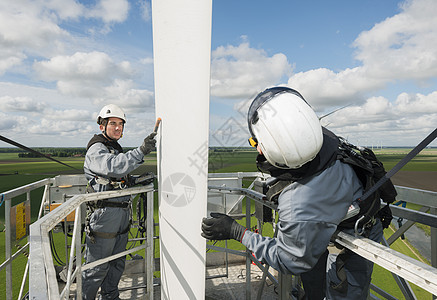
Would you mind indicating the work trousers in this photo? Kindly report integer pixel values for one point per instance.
(318, 282)
(107, 275)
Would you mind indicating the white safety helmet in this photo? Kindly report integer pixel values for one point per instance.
(111, 110)
(285, 127)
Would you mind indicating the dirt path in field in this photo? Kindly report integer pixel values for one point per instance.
(424, 180)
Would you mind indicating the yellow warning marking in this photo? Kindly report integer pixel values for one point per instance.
(20, 218)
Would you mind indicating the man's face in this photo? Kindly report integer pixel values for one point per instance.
(114, 128)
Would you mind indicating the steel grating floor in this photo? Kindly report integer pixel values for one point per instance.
(232, 286)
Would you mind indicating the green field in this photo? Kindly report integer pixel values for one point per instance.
(15, 172)
(426, 160)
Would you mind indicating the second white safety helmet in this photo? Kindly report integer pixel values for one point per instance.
(111, 110)
(285, 127)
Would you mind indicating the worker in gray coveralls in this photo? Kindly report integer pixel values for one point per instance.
(293, 146)
(108, 224)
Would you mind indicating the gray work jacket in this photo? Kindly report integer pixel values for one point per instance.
(109, 163)
(309, 212)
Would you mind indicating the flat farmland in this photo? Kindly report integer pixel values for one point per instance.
(420, 173)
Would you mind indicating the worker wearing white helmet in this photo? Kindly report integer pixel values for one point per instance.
(108, 221)
(111, 120)
(313, 190)
(288, 130)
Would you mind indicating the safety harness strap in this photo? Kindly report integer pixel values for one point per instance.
(100, 138)
(401, 163)
(105, 203)
(105, 235)
(342, 258)
(276, 188)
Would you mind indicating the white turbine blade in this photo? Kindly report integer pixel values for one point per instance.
(182, 53)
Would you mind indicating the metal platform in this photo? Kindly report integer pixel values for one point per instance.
(224, 283)
(227, 283)
(231, 287)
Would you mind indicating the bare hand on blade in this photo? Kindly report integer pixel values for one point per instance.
(150, 142)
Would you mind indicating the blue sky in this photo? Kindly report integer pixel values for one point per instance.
(62, 60)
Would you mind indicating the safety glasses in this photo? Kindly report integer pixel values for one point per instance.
(253, 142)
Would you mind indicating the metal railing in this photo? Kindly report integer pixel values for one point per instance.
(42, 266)
(9, 257)
(42, 278)
(43, 283)
(401, 266)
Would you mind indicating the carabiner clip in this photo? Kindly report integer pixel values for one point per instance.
(357, 223)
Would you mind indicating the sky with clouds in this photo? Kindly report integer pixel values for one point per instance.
(62, 60)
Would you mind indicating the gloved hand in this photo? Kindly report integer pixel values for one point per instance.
(148, 143)
(222, 227)
(385, 215)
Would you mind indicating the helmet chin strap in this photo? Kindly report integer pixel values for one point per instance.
(104, 131)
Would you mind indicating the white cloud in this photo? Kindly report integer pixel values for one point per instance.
(240, 71)
(375, 109)
(65, 9)
(83, 74)
(54, 36)
(7, 122)
(146, 10)
(403, 46)
(124, 94)
(403, 122)
(377, 106)
(416, 104)
(147, 61)
(25, 28)
(56, 127)
(34, 122)
(110, 11)
(34, 28)
(23, 104)
(77, 115)
(95, 66)
(27, 25)
(64, 120)
(9, 61)
(324, 88)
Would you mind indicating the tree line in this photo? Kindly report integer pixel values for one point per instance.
(51, 151)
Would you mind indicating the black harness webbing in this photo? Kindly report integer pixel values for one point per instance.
(5, 139)
(346, 253)
(105, 203)
(400, 164)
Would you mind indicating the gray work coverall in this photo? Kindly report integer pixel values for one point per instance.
(309, 212)
(107, 163)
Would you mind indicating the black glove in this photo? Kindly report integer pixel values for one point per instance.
(385, 215)
(222, 227)
(148, 143)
